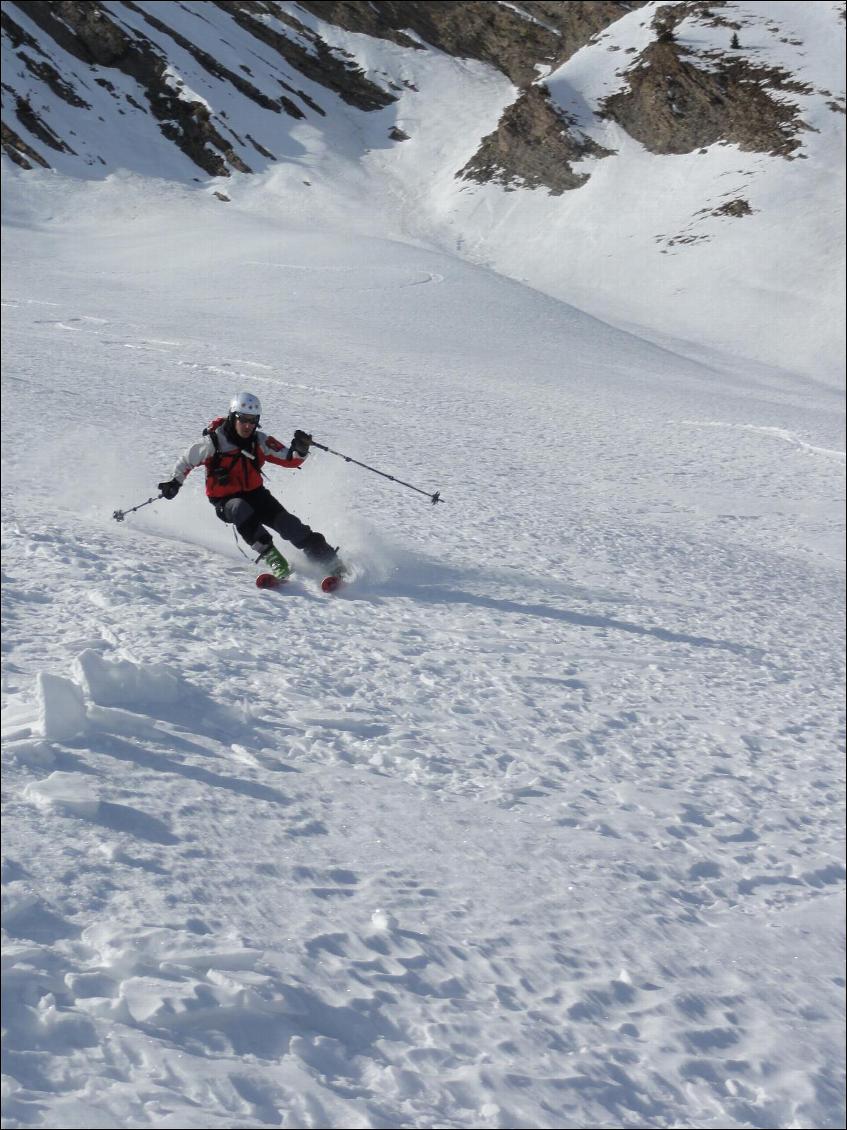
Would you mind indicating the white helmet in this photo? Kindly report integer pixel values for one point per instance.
(247, 403)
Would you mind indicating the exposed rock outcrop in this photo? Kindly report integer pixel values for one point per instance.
(514, 38)
(673, 106)
(22, 154)
(317, 62)
(534, 145)
(89, 33)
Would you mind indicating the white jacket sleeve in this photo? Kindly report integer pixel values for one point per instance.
(198, 453)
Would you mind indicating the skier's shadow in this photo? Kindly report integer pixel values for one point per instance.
(433, 592)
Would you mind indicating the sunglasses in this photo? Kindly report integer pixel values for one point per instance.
(246, 419)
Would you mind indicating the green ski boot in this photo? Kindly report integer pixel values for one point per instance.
(280, 570)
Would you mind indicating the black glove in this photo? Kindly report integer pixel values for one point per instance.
(170, 489)
(301, 443)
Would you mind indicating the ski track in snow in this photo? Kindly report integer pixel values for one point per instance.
(536, 824)
(777, 433)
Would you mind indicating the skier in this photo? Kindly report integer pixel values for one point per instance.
(233, 451)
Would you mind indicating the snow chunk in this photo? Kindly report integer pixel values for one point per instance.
(382, 920)
(68, 792)
(34, 753)
(61, 714)
(119, 682)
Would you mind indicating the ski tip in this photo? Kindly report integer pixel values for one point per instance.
(331, 583)
(268, 581)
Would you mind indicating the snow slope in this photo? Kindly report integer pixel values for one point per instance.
(538, 824)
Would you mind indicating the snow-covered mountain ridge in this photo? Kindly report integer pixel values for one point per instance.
(601, 152)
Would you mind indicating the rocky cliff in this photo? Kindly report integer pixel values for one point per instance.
(670, 97)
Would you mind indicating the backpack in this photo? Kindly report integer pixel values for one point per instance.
(216, 468)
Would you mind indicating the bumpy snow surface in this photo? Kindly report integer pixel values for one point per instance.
(535, 824)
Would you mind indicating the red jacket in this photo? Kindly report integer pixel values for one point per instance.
(231, 469)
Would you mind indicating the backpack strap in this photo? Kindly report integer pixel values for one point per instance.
(216, 468)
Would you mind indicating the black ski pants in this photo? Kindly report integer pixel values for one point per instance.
(252, 511)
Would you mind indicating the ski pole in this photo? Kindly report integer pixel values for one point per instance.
(119, 515)
(433, 498)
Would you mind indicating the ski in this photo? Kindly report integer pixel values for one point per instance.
(330, 583)
(338, 578)
(269, 581)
